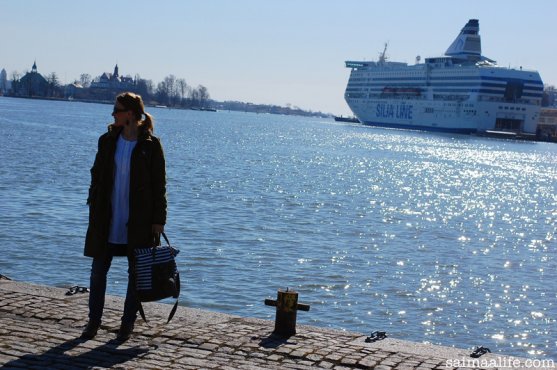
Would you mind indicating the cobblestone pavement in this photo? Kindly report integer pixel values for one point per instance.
(40, 328)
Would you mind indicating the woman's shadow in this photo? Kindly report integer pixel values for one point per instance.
(106, 356)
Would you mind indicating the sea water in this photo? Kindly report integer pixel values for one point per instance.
(439, 238)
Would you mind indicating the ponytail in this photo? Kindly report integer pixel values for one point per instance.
(148, 123)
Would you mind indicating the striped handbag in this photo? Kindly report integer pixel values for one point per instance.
(156, 275)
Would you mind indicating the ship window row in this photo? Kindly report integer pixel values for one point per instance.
(489, 91)
(460, 97)
(450, 97)
(458, 89)
(442, 84)
(492, 98)
(396, 96)
(451, 76)
(511, 108)
(444, 97)
(440, 92)
(356, 95)
(438, 86)
(508, 79)
(396, 84)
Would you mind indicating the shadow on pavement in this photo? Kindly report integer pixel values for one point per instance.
(273, 341)
(106, 355)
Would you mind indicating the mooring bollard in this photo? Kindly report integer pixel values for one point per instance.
(287, 305)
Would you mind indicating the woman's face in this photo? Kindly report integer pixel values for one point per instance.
(121, 114)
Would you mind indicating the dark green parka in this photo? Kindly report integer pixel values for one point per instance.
(147, 192)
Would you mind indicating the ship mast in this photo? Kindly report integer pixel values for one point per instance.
(383, 55)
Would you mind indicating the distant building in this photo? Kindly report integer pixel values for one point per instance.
(547, 124)
(112, 81)
(74, 90)
(549, 97)
(4, 83)
(108, 85)
(32, 84)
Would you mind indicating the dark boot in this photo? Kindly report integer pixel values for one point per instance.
(90, 330)
(125, 332)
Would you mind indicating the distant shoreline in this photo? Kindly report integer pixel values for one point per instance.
(225, 106)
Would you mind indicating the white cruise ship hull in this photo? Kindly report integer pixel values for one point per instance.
(459, 117)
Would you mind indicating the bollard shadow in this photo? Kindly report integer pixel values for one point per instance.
(274, 341)
(106, 356)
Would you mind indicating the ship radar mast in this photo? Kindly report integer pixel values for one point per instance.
(383, 55)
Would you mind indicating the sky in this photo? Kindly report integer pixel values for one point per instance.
(267, 51)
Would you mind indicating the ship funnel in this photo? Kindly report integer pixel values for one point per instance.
(468, 44)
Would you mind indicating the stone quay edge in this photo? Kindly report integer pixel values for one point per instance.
(40, 328)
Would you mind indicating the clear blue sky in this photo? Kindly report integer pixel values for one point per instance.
(265, 51)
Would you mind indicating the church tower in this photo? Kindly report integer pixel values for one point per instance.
(34, 68)
(116, 71)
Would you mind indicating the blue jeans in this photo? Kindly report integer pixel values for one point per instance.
(99, 270)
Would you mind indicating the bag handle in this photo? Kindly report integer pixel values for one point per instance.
(154, 249)
(170, 316)
(165, 238)
(157, 241)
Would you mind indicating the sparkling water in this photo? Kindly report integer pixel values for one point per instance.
(438, 238)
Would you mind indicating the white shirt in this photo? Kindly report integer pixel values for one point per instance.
(121, 191)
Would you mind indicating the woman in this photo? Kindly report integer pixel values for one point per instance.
(127, 203)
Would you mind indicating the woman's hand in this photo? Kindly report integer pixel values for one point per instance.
(157, 228)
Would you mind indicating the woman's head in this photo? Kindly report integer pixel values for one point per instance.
(129, 101)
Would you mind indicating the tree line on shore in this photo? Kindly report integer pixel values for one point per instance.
(172, 91)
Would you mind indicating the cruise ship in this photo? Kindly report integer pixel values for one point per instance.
(461, 92)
